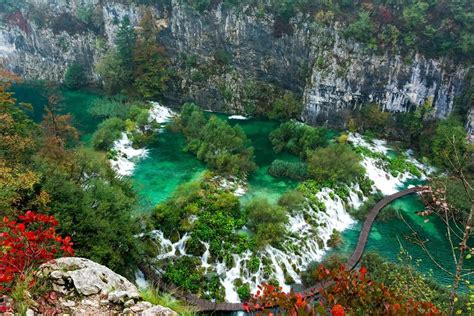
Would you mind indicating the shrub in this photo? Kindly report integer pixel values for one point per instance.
(297, 138)
(110, 107)
(292, 200)
(335, 240)
(26, 243)
(291, 170)
(107, 132)
(336, 163)
(222, 147)
(266, 221)
(244, 292)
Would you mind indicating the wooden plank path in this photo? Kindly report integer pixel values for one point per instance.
(202, 305)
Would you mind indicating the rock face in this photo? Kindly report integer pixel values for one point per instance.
(222, 58)
(86, 287)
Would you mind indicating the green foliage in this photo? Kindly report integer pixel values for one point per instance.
(244, 292)
(266, 221)
(286, 107)
(361, 29)
(222, 147)
(125, 42)
(185, 272)
(336, 163)
(292, 200)
(297, 138)
(403, 279)
(75, 77)
(153, 296)
(112, 72)
(150, 63)
(107, 132)
(291, 170)
(371, 119)
(222, 57)
(449, 144)
(362, 211)
(93, 205)
(335, 240)
(217, 219)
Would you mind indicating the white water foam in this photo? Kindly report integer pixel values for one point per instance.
(237, 117)
(127, 156)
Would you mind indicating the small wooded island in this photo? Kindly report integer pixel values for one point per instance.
(183, 157)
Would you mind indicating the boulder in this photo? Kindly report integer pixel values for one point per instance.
(88, 288)
(87, 277)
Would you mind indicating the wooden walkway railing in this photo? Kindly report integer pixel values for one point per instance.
(203, 305)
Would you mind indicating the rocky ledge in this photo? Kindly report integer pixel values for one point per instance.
(84, 287)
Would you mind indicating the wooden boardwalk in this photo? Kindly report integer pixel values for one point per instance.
(203, 305)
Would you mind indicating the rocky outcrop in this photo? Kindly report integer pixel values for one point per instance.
(84, 287)
(222, 57)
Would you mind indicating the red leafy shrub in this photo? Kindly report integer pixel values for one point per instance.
(26, 243)
(342, 293)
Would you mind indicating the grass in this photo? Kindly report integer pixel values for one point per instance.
(153, 296)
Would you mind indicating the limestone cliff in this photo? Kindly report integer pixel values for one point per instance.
(223, 58)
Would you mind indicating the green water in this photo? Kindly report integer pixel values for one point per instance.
(76, 103)
(166, 167)
(389, 237)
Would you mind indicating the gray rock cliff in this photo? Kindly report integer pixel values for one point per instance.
(222, 57)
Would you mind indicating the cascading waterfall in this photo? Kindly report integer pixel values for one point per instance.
(308, 230)
(125, 156)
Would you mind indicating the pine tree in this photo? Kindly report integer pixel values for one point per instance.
(151, 74)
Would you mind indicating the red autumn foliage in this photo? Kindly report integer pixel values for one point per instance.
(26, 243)
(342, 293)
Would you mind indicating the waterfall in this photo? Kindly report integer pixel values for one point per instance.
(125, 156)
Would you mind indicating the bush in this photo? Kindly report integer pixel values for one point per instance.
(75, 77)
(107, 133)
(335, 164)
(297, 138)
(291, 170)
(244, 292)
(27, 242)
(292, 200)
(266, 221)
(222, 147)
(335, 240)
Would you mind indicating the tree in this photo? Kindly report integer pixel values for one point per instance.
(151, 74)
(449, 140)
(94, 207)
(112, 72)
(125, 43)
(266, 221)
(286, 107)
(75, 77)
(342, 293)
(336, 163)
(297, 138)
(222, 147)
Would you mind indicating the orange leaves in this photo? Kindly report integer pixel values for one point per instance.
(337, 310)
(342, 292)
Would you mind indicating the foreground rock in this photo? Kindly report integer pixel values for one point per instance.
(88, 288)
